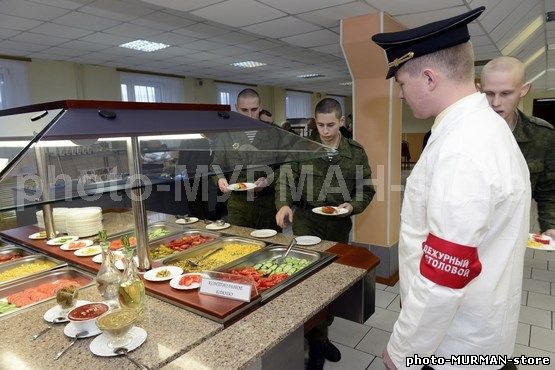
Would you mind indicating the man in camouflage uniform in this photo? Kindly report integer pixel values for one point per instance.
(343, 181)
(245, 208)
(503, 83)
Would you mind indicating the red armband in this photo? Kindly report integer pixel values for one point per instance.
(449, 264)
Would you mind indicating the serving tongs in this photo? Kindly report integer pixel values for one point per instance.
(196, 263)
(280, 259)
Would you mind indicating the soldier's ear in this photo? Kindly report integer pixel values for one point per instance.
(342, 121)
(525, 89)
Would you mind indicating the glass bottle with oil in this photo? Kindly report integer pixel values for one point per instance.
(131, 292)
(108, 276)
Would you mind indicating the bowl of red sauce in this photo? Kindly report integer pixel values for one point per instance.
(84, 317)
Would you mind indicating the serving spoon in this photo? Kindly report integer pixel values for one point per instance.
(57, 320)
(79, 335)
(195, 263)
(122, 351)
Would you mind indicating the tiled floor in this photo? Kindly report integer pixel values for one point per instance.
(362, 345)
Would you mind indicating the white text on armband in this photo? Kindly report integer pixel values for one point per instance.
(446, 262)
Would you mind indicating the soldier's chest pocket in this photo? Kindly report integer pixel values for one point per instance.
(413, 212)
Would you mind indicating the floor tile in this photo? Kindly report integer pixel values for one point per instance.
(350, 359)
(394, 288)
(346, 332)
(535, 316)
(543, 301)
(523, 334)
(384, 298)
(396, 304)
(537, 264)
(528, 351)
(529, 253)
(374, 342)
(537, 286)
(551, 266)
(543, 339)
(544, 255)
(543, 275)
(377, 364)
(382, 319)
(524, 298)
(527, 274)
(380, 286)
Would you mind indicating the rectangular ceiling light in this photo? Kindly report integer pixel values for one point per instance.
(534, 56)
(143, 45)
(248, 64)
(311, 75)
(523, 36)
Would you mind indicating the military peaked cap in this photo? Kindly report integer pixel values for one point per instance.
(412, 43)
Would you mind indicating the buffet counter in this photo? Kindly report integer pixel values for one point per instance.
(178, 339)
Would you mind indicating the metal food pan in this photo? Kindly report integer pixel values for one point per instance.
(8, 251)
(205, 248)
(171, 228)
(167, 239)
(82, 278)
(27, 260)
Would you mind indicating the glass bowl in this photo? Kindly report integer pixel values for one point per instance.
(116, 325)
(84, 317)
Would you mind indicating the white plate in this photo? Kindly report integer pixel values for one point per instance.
(62, 240)
(217, 227)
(338, 211)
(67, 246)
(173, 270)
(99, 345)
(182, 221)
(174, 283)
(71, 331)
(543, 247)
(121, 266)
(88, 251)
(235, 187)
(263, 233)
(38, 236)
(56, 311)
(117, 255)
(308, 240)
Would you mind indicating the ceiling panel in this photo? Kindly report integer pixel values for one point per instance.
(27, 9)
(163, 21)
(181, 5)
(64, 51)
(6, 33)
(106, 38)
(233, 38)
(170, 38)
(495, 15)
(330, 17)
(21, 46)
(58, 30)
(39, 39)
(86, 21)
(482, 40)
(404, 7)
(83, 45)
(239, 13)
(312, 39)
(282, 27)
(296, 6)
(418, 19)
(67, 4)
(116, 9)
(133, 31)
(204, 45)
(201, 31)
(261, 44)
(17, 23)
(476, 29)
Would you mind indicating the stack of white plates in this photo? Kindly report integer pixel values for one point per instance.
(85, 221)
(60, 216)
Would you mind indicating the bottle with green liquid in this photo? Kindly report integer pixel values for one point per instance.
(108, 276)
(131, 292)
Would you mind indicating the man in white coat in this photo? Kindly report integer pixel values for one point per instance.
(465, 214)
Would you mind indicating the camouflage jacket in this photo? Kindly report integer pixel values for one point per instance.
(328, 180)
(536, 139)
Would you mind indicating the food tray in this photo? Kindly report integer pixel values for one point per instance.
(171, 228)
(316, 259)
(182, 233)
(26, 260)
(8, 251)
(202, 249)
(84, 279)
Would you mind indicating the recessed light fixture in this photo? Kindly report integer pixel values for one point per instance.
(535, 56)
(143, 45)
(311, 75)
(523, 36)
(348, 83)
(248, 64)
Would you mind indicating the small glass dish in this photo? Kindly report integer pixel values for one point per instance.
(116, 325)
(66, 298)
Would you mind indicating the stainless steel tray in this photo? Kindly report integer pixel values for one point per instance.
(188, 232)
(8, 251)
(82, 278)
(27, 260)
(316, 259)
(205, 248)
(171, 228)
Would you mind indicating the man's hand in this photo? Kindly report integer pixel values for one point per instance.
(284, 217)
(261, 183)
(348, 206)
(389, 365)
(550, 232)
(223, 185)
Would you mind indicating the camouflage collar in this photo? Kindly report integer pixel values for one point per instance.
(521, 131)
(344, 148)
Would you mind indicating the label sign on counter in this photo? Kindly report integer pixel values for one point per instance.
(226, 289)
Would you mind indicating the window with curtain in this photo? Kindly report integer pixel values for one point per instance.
(298, 105)
(227, 93)
(14, 90)
(340, 100)
(151, 89)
